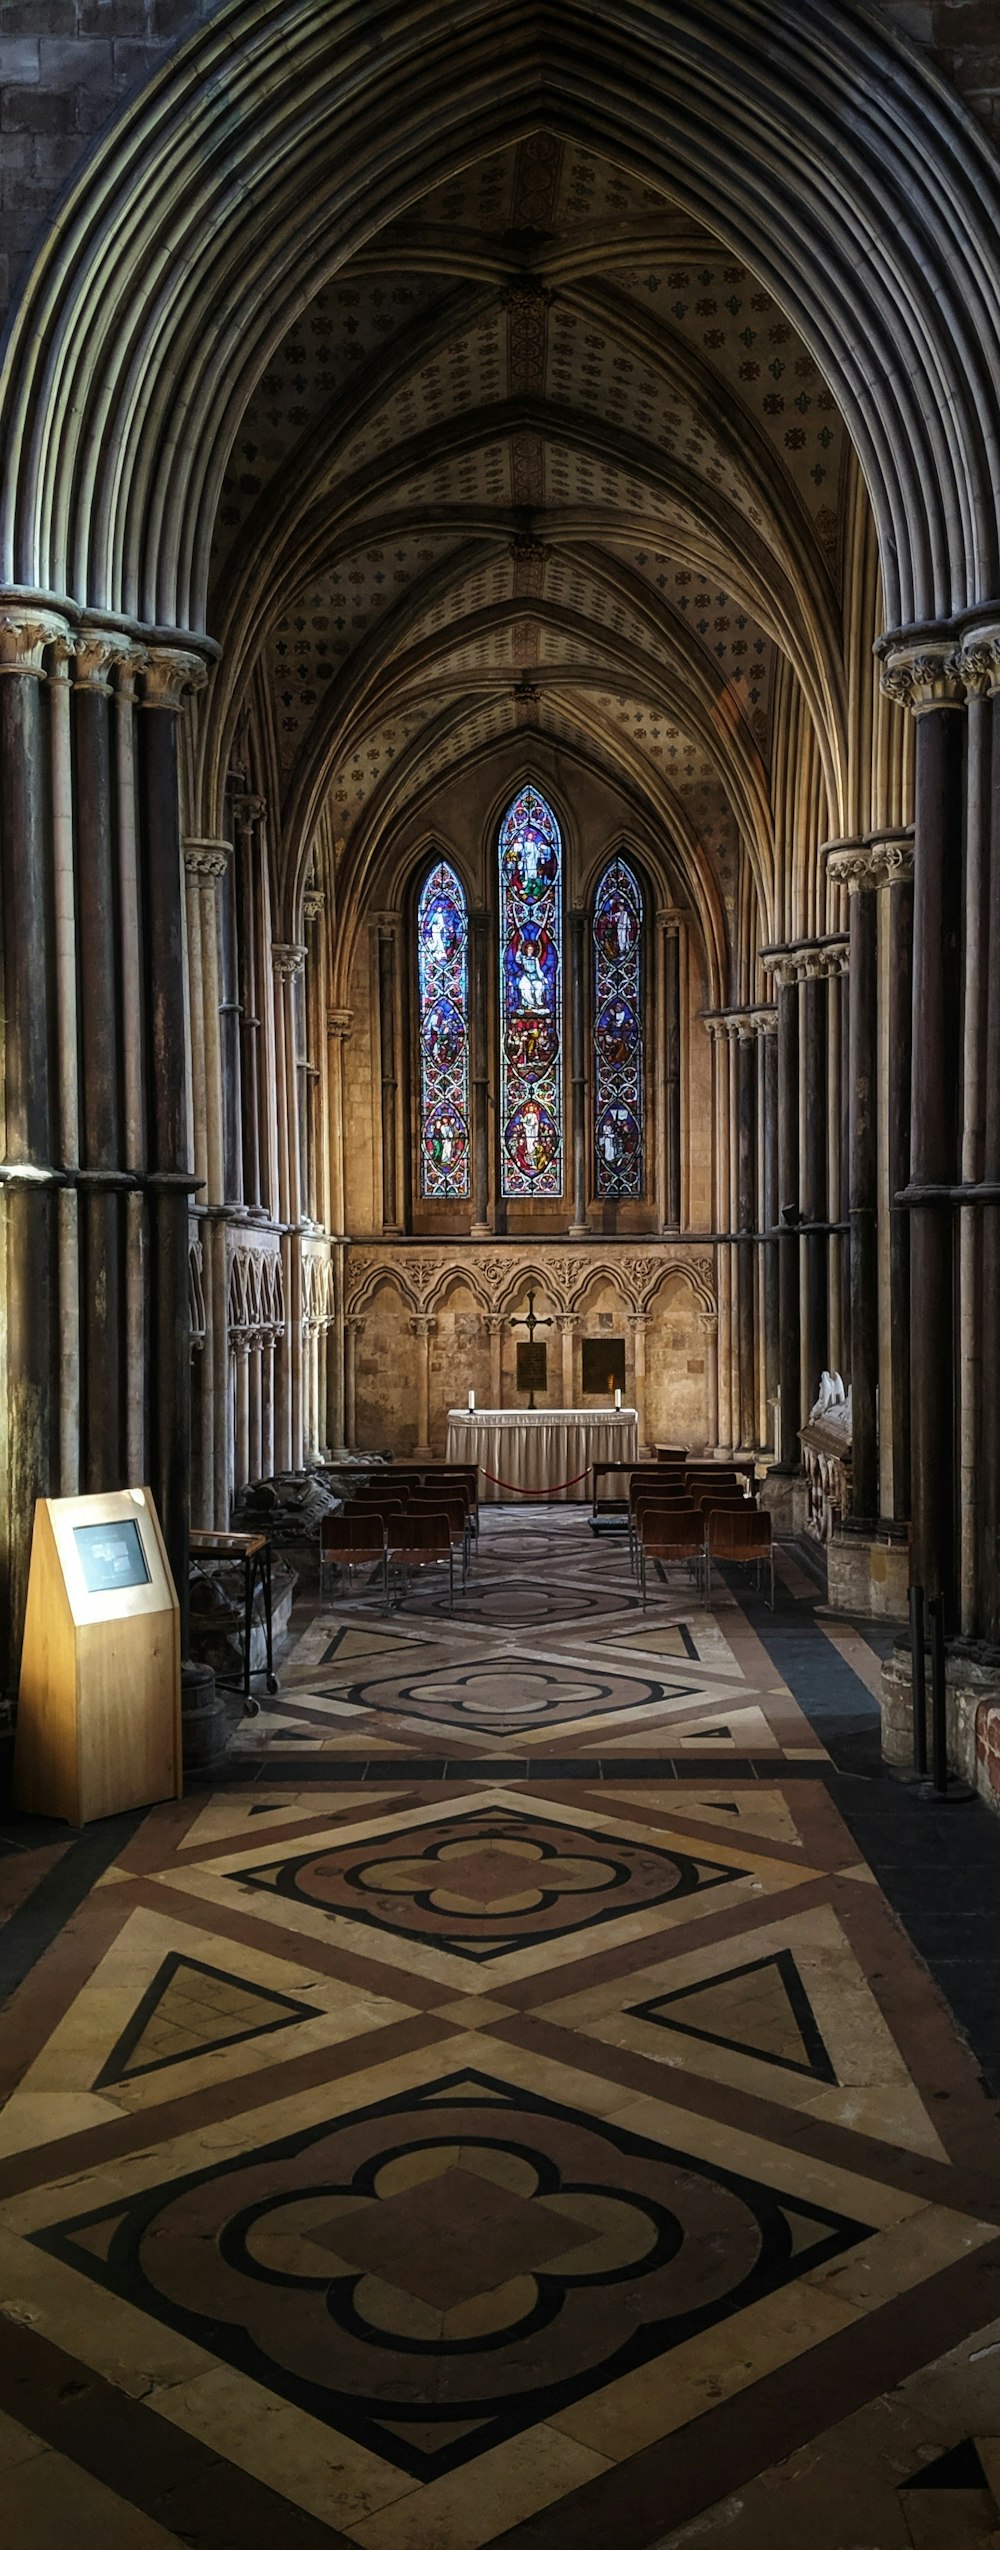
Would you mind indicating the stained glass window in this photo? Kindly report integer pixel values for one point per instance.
(531, 1109)
(618, 1101)
(443, 984)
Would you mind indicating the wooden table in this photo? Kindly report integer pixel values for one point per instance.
(252, 1550)
(536, 1452)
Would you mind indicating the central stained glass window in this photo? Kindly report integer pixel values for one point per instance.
(618, 1108)
(443, 983)
(531, 1097)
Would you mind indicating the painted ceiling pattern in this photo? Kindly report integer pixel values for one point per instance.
(544, 435)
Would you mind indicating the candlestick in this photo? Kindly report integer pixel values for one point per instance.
(618, 1398)
(472, 1403)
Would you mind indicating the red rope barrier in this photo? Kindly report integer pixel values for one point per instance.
(514, 1490)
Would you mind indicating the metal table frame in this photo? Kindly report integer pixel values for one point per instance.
(253, 1550)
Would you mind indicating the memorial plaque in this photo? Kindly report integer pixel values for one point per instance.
(603, 1366)
(532, 1367)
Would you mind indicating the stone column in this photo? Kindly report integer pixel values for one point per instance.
(317, 1147)
(638, 1324)
(567, 1325)
(981, 1150)
(812, 1137)
(723, 1253)
(67, 1041)
(354, 1329)
(168, 674)
(787, 1146)
(767, 1213)
(897, 855)
(745, 1057)
(102, 1175)
(338, 1028)
(856, 865)
(248, 812)
(495, 1324)
(241, 1469)
(423, 1327)
(481, 1223)
(669, 941)
(835, 1006)
(709, 1326)
(385, 947)
(576, 939)
(925, 678)
(30, 1435)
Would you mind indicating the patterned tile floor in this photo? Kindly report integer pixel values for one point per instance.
(506, 2109)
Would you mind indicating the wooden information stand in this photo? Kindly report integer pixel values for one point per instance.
(99, 1709)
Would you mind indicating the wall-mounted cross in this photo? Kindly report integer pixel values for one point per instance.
(531, 1322)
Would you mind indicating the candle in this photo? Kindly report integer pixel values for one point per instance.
(472, 1403)
(618, 1398)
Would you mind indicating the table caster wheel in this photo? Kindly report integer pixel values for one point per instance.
(272, 1682)
(251, 1708)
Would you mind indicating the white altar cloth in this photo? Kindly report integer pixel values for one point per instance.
(537, 1448)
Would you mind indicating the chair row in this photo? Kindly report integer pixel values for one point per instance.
(700, 1533)
(401, 1524)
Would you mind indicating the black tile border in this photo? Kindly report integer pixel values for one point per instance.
(38, 1921)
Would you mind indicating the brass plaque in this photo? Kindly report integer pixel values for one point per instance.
(532, 1366)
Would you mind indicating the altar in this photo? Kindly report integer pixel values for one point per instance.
(535, 1451)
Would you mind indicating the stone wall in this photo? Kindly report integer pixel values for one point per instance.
(67, 66)
(458, 1307)
(962, 40)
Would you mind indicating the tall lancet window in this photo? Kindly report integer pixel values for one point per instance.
(531, 1076)
(618, 1100)
(443, 986)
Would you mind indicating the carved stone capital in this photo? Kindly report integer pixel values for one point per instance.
(766, 1021)
(97, 653)
(169, 673)
(339, 1022)
(668, 919)
(882, 858)
(247, 808)
(25, 632)
(638, 1322)
(979, 663)
(313, 902)
(206, 861)
(423, 1324)
(567, 1323)
(924, 675)
(287, 959)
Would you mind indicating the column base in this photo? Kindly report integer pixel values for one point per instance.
(481, 1231)
(973, 1713)
(204, 1718)
(578, 1231)
(421, 1452)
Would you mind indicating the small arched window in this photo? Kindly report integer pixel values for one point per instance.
(531, 1072)
(619, 1164)
(443, 998)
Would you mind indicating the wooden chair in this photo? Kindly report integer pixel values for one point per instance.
(651, 1487)
(353, 1540)
(435, 1500)
(652, 1500)
(420, 1540)
(740, 1540)
(670, 1534)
